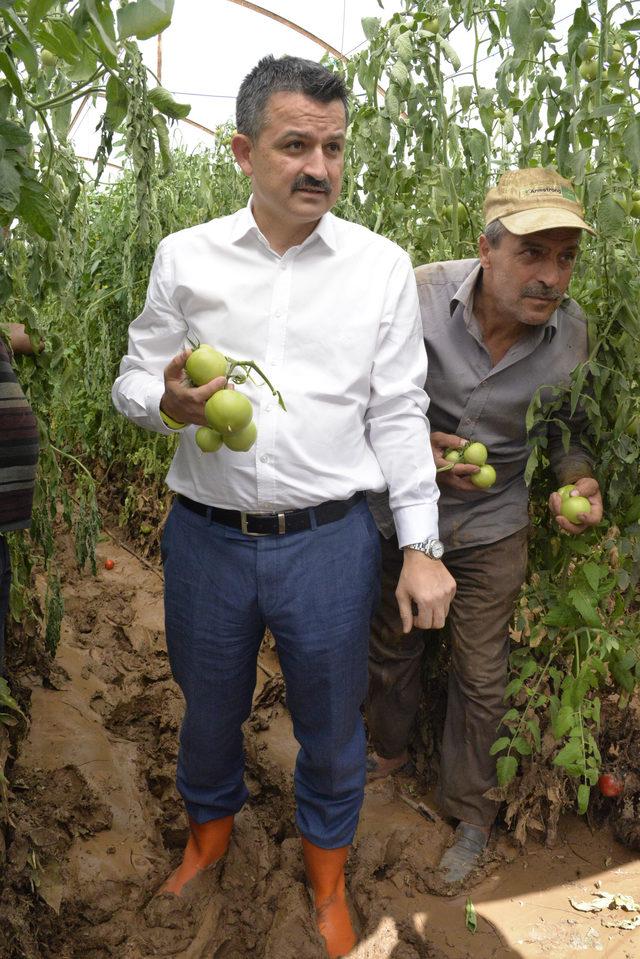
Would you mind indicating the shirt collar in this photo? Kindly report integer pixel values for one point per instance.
(244, 224)
(464, 296)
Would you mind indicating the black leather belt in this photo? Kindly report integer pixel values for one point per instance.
(270, 524)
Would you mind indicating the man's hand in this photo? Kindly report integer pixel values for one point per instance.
(429, 586)
(183, 402)
(457, 476)
(588, 487)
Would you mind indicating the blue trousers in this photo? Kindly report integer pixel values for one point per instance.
(316, 590)
(5, 584)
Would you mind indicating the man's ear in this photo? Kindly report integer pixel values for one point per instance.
(484, 251)
(242, 146)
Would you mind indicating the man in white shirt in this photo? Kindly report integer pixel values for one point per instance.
(281, 535)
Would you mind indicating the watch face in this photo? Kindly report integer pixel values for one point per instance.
(437, 549)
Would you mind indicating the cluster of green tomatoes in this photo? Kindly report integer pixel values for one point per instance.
(476, 454)
(228, 412)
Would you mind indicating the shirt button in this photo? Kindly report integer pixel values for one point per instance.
(269, 407)
(277, 314)
(264, 459)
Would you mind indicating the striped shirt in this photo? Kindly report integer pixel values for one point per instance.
(18, 449)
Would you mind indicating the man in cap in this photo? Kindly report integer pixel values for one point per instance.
(497, 329)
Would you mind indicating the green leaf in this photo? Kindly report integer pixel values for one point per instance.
(392, 103)
(519, 23)
(464, 95)
(37, 11)
(370, 27)
(164, 103)
(631, 140)
(404, 47)
(506, 768)
(399, 73)
(144, 19)
(35, 208)
(611, 216)
(117, 103)
(7, 67)
(499, 745)
(521, 745)
(514, 687)
(592, 573)
(450, 54)
(583, 798)
(562, 721)
(470, 918)
(569, 755)
(68, 44)
(585, 607)
(162, 132)
(13, 134)
(102, 20)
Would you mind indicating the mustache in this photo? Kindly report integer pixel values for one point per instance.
(305, 182)
(542, 293)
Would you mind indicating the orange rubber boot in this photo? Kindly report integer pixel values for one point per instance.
(325, 872)
(208, 842)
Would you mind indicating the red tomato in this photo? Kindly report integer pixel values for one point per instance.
(609, 785)
(109, 564)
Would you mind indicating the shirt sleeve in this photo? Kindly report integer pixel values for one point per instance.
(396, 415)
(574, 461)
(155, 336)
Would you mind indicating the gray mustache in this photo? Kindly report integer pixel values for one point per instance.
(309, 183)
(542, 293)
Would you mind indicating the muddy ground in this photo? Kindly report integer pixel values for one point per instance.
(97, 825)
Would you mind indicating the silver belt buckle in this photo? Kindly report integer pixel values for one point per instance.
(248, 532)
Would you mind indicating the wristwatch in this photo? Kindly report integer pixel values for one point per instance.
(432, 548)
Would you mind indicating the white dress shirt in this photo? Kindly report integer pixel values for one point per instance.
(335, 325)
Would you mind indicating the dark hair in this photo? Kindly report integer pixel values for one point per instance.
(286, 75)
(494, 233)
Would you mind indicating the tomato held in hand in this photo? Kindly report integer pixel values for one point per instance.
(205, 364)
(476, 454)
(484, 478)
(243, 440)
(228, 411)
(565, 491)
(574, 506)
(609, 785)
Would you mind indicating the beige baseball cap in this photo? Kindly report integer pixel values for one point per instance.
(533, 199)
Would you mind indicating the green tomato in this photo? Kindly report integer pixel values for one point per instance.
(243, 440)
(565, 491)
(432, 25)
(614, 53)
(588, 70)
(208, 440)
(588, 49)
(485, 477)
(635, 209)
(453, 455)
(228, 411)
(475, 453)
(574, 506)
(205, 364)
(636, 194)
(48, 58)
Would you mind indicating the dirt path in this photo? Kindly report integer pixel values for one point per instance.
(98, 824)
